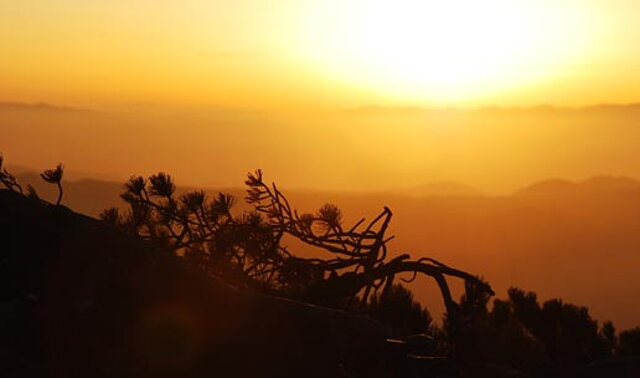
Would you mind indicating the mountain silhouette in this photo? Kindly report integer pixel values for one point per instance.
(41, 107)
(603, 184)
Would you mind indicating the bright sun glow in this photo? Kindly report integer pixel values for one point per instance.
(444, 50)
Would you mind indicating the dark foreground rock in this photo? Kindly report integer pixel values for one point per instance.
(80, 299)
(628, 366)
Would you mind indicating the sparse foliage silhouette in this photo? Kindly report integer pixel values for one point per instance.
(549, 339)
(359, 264)
(248, 249)
(242, 249)
(629, 342)
(9, 180)
(400, 312)
(52, 176)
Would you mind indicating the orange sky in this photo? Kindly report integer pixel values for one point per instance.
(288, 55)
(181, 85)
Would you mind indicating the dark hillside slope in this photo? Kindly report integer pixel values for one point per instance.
(80, 299)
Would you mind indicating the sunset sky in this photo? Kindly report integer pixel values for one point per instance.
(289, 55)
(323, 93)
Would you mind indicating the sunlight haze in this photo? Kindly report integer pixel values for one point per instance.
(293, 55)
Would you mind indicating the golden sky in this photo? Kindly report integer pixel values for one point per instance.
(290, 55)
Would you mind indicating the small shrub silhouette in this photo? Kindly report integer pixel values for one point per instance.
(52, 176)
(400, 312)
(630, 342)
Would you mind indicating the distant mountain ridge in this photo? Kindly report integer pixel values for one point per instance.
(368, 109)
(39, 106)
(553, 186)
(594, 184)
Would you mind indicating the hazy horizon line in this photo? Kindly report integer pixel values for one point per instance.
(368, 107)
(472, 190)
